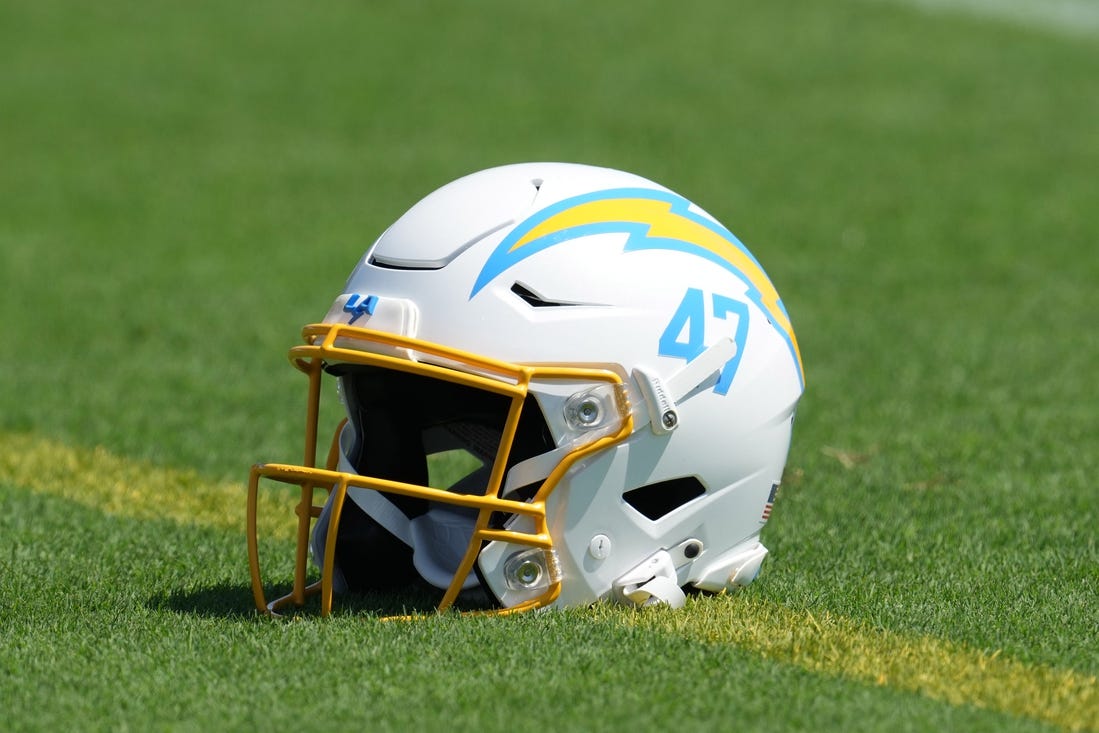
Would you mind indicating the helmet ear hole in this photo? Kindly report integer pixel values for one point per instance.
(662, 498)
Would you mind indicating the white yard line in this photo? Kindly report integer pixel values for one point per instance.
(1068, 17)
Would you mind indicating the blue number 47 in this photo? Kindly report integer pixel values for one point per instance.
(685, 335)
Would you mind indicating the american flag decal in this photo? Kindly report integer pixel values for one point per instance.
(770, 503)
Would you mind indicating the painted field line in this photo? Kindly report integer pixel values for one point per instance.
(823, 644)
(127, 488)
(925, 665)
(1067, 17)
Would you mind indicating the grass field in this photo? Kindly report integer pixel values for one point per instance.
(182, 186)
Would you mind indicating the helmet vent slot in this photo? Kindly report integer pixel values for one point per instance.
(662, 498)
(385, 264)
(535, 300)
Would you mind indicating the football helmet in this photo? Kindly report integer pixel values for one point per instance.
(562, 384)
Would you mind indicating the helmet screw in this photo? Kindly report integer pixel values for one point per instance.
(669, 419)
(691, 550)
(588, 412)
(528, 573)
(600, 547)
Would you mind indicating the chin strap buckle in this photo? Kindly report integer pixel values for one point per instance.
(652, 582)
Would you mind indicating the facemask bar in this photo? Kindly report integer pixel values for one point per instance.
(339, 343)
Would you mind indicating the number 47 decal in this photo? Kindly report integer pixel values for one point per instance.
(685, 335)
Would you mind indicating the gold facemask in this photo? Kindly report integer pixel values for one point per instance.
(327, 344)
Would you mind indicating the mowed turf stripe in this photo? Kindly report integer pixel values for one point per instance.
(1070, 17)
(926, 665)
(123, 487)
(821, 643)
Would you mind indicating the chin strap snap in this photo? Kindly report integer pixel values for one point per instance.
(653, 581)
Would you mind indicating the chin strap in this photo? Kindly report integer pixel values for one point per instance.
(384, 512)
(653, 581)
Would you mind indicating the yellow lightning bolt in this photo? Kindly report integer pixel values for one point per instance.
(666, 224)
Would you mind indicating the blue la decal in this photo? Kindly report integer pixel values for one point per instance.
(358, 306)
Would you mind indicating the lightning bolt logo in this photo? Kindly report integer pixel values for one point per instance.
(653, 220)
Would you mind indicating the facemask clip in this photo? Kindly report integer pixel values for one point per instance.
(653, 581)
(661, 396)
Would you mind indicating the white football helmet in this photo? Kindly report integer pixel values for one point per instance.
(563, 384)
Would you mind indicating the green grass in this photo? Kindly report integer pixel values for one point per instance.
(182, 186)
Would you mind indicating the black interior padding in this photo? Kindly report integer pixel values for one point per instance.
(390, 411)
(368, 555)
